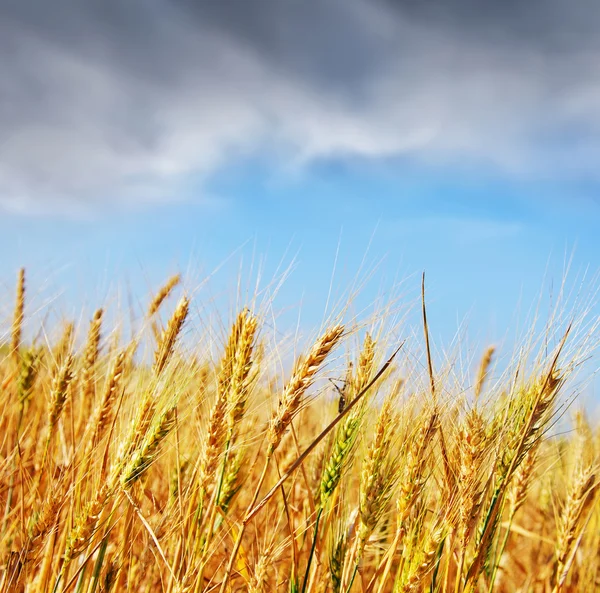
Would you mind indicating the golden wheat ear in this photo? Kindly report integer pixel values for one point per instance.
(232, 393)
(90, 356)
(380, 473)
(18, 316)
(582, 494)
(166, 344)
(60, 391)
(162, 295)
(484, 367)
(302, 378)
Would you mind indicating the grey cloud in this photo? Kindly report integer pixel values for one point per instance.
(122, 101)
(537, 25)
(335, 43)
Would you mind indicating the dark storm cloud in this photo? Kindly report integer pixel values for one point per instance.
(333, 39)
(544, 25)
(118, 100)
(330, 42)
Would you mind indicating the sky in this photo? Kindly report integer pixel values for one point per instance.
(336, 140)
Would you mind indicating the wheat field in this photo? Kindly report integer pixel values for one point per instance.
(186, 459)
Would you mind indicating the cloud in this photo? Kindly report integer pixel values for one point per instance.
(112, 102)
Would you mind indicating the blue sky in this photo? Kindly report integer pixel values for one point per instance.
(488, 254)
(451, 137)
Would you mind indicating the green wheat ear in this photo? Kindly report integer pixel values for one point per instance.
(342, 448)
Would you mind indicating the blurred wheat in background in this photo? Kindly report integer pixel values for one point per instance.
(364, 465)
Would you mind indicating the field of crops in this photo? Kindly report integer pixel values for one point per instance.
(194, 458)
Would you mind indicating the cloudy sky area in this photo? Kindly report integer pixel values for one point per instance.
(125, 101)
(457, 136)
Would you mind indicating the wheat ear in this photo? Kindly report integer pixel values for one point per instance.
(302, 378)
(167, 340)
(18, 316)
(90, 357)
(162, 295)
(484, 368)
